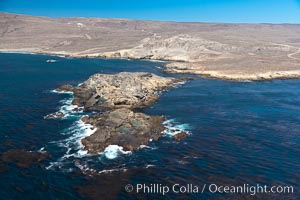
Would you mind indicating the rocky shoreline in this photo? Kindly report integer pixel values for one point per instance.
(236, 52)
(116, 98)
(198, 69)
(178, 66)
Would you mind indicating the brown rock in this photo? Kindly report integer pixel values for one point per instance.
(119, 93)
(77, 109)
(65, 88)
(180, 136)
(122, 127)
(122, 90)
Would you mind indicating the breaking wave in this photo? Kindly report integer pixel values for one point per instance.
(113, 151)
(72, 145)
(73, 152)
(172, 127)
(67, 110)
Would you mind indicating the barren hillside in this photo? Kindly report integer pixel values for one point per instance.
(229, 51)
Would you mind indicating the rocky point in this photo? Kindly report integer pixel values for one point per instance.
(119, 94)
(122, 90)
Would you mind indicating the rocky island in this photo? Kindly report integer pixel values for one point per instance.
(117, 96)
(122, 90)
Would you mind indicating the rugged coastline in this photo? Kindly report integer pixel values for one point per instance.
(116, 98)
(235, 52)
(196, 68)
(232, 124)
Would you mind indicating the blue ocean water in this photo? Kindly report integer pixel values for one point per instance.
(241, 132)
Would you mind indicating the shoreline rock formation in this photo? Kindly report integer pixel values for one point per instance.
(122, 90)
(226, 51)
(124, 128)
(116, 96)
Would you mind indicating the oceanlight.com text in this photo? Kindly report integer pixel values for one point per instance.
(157, 188)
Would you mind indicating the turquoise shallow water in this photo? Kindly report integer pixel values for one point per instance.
(242, 132)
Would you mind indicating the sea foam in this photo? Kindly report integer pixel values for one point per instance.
(72, 144)
(113, 151)
(73, 148)
(61, 92)
(172, 127)
(67, 108)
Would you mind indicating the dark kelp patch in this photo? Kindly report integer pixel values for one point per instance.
(23, 158)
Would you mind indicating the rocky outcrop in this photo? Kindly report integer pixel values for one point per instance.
(65, 88)
(180, 136)
(183, 47)
(122, 90)
(55, 115)
(118, 95)
(122, 127)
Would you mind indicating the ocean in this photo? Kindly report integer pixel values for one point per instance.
(240, 133)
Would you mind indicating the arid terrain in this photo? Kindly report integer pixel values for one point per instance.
(227, 51)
